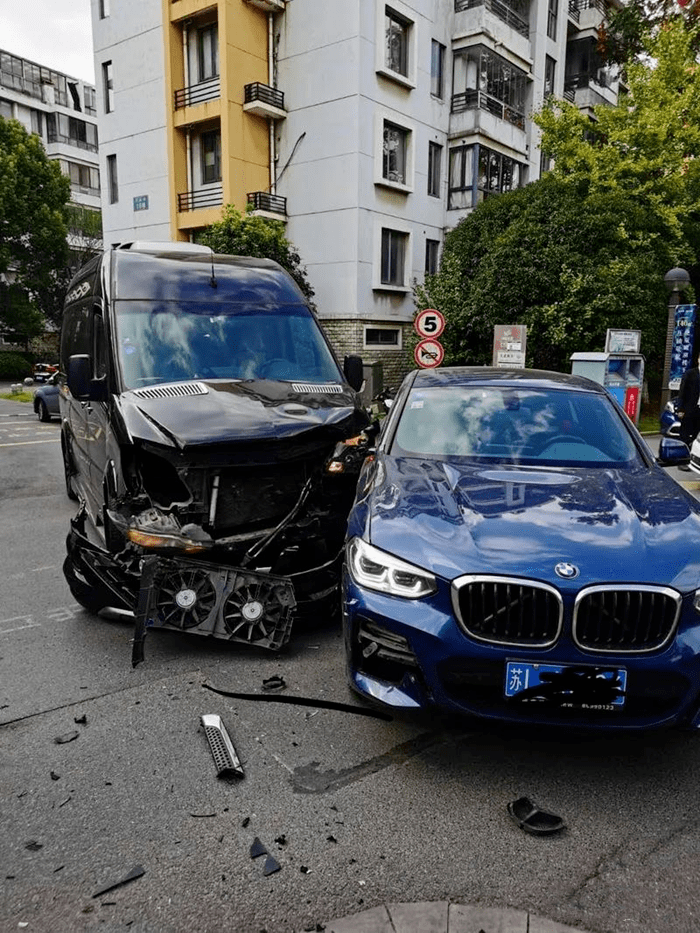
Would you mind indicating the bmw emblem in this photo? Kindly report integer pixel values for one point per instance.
(566, 570)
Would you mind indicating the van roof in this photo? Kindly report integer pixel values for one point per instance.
(199, 277)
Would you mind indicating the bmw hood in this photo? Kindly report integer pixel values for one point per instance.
(612, 525)
(196, 413)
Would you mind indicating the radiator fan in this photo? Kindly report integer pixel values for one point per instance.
(259, 611)
(185, 598)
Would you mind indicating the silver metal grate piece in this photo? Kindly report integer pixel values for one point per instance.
(225, 757)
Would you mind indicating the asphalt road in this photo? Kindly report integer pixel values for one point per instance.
(356, 811)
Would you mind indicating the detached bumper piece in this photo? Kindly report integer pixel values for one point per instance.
(225, 757)
(207, 599)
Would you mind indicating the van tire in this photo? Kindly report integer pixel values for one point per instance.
(68, 470)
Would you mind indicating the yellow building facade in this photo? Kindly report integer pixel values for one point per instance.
(221, 109)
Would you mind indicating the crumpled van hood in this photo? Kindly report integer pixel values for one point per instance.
(202, 412)
(611, 524)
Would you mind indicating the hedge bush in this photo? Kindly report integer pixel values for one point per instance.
(14, 366)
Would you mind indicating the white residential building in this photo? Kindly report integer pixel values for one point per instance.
(371, 127)
(61, 110)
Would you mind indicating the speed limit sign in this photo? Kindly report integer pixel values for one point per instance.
(429, 323)
(429, 353)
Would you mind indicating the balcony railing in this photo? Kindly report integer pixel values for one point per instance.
(263, 93)
(195, 200)
(197, 93)
(264, 201)
(480, 100)
(574, 11)
(572, 83)
(502, 10)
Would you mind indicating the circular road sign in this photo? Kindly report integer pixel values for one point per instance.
(429, 323)
(429, 353)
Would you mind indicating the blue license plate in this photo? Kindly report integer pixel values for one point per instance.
(566, 686)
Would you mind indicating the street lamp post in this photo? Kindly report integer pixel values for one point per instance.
(676, 280)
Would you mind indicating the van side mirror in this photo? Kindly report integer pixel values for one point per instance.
(353, 370)
(78, 376)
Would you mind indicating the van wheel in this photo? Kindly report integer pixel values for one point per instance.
(83, 594)
(68, 470)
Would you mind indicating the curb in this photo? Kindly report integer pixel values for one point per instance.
(444, 917)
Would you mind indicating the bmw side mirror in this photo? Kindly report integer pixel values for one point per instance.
(353, 370)
(672, 452)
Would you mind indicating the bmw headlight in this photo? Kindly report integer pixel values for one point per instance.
(377, 570)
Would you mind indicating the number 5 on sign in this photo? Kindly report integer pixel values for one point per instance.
(429, 353)
(429, 323)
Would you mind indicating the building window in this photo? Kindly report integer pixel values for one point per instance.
(211, 157)
(108, 86)
(393, 261)
(461, 181)
(90, 104)
(84, 177)
(5, 108)
(37, 118)
(395, 154)
(552, 12)
(208, 52)
(382, 337)
(64, 129)
(434, 164)
(397, 30)
(112, 181)
(432, 255)
(549, 70)
(484, 80)
(104, 9)
(497, 173)
(437, 69)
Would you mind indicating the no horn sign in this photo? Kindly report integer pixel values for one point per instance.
(429, 353)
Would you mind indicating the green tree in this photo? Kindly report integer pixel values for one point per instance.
(562, 258)
(33, 249)
(247, 235)
(586, 247)
(625, 35)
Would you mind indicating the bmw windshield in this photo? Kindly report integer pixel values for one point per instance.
(514, 425)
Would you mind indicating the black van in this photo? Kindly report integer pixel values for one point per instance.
(203, 419)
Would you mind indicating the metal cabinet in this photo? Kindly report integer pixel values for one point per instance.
(622, 374)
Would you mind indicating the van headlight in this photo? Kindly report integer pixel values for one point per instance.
(377, 570)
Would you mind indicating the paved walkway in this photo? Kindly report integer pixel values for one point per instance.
(443, 917)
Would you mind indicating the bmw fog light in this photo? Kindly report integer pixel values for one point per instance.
(377, 570)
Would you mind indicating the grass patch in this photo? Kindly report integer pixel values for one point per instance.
(18, 397)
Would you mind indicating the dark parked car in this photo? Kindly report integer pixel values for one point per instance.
(516, 553)
(46, 401)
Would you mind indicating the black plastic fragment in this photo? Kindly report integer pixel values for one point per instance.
(34, 846)
(274, 683)
(135, 873)
(81, 720)
(304, 701)
(68, 737)
(271, 866)
(257, 848)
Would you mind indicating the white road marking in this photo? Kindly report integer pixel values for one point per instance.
(49, 440)
(27, 620)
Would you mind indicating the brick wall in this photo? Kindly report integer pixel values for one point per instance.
(347, 338)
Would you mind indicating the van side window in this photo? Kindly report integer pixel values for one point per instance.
(99, 339)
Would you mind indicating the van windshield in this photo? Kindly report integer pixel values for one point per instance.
(166, 342)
